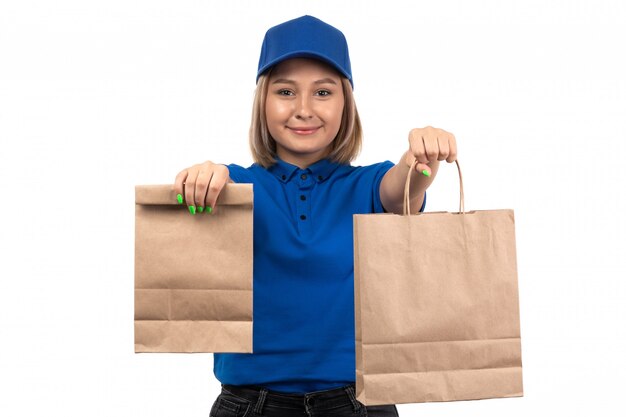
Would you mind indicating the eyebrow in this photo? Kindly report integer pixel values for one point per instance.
(322, 81)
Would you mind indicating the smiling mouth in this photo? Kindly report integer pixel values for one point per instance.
(304, 131)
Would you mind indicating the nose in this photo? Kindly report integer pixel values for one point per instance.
(304, 108)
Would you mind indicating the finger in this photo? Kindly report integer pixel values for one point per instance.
(444, 146)
(202, 184)
(190, 189)
(416, 144)
(424, 169)
(431, 147)
(178, 185)
(219, 179)
(453, 149)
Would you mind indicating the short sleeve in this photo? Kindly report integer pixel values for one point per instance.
(238, 173)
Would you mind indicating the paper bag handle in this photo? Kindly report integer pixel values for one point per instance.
(407, 206)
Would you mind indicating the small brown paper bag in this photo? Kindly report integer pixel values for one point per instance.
(193, 273)
(437, 307)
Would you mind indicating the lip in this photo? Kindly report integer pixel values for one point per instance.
(304, 130)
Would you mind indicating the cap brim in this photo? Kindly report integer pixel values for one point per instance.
(303, 54)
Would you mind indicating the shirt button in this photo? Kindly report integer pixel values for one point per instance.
(319, 177)
(303, 217)
(303, 176)
(302, 197)
(284, 177)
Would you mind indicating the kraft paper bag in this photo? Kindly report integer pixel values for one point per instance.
(193, 273)
(437, 307)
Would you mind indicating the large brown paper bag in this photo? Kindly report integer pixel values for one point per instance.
(193, 273)
(437, 308)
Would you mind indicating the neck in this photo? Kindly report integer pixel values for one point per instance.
(301, 161)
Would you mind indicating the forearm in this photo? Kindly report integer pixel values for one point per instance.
(392, 185)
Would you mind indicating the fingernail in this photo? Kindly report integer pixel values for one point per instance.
(200, 209)
(425, 172)
(192, 209)
(209, 209)
(179, 198)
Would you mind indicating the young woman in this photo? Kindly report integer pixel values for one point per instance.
(305, 131)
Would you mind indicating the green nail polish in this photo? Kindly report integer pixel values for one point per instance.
(209, 209)
(179, 198)
(200, 209)
(426, 173)
(192, 209)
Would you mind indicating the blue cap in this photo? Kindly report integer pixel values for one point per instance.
(308, 37)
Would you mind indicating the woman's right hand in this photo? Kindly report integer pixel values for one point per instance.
(200, 185)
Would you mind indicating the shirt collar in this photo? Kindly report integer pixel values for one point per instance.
(320, 170)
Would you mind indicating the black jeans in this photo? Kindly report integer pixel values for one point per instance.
(253, 401)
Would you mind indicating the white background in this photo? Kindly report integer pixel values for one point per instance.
(97, 96)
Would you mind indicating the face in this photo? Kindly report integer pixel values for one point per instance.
(303, 109)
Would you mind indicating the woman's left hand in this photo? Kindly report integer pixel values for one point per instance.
(430, 144)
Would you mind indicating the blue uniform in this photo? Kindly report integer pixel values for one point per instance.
(303, 285)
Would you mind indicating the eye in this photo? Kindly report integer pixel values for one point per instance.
(284, 92)
(324, 93)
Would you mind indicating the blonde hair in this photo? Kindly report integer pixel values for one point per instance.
(344, 148)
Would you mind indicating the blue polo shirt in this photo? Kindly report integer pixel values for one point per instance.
(303, 279)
